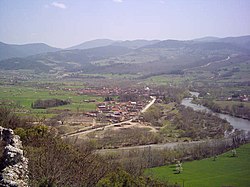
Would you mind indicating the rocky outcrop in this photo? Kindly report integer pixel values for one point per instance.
(14, 166)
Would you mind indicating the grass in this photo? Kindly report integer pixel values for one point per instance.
(225, 171)
(167, 79)
(22, 97)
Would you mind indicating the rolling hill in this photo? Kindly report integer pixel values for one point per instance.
(152, 58)
(135, 44)
(132, 44)
(12, 50)
(93, 44)
(243, 41)
(64, 60)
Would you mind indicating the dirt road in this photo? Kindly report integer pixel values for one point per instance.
(149, 105)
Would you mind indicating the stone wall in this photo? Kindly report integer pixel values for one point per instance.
(14, 166)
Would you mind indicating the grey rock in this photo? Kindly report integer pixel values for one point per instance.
(14, 172)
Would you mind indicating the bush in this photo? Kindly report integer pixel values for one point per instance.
(9, 120)
(122, 178)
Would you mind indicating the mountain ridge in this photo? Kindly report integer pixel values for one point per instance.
(24, 50)
(133, 44)
(92, 44)
(158, 57)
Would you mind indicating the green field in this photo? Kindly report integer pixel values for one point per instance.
(225, 171)
(21, 98)
(167, 79)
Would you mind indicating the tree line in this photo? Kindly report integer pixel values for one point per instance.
(238, 110)
(43, 104)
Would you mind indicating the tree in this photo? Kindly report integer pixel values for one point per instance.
(108, 98)
(53, 162)
(234, 153)
(178, 168)
(9, 120)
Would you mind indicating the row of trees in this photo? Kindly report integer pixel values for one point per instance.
(136, 160)
(43, 104)
(238, 110)
(128, 97)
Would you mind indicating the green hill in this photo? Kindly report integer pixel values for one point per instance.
(225, 171)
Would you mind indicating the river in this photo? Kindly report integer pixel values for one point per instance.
(237, 123)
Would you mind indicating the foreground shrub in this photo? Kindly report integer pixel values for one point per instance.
(122, 178)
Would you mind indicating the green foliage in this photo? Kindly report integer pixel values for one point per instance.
(31, 135)
(121, 178)
(153, 115)
(21, 132)
(118, 179)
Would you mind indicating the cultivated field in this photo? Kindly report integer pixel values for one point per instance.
(21, 98)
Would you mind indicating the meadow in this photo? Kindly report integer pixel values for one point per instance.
(21, 98)
(226, 170)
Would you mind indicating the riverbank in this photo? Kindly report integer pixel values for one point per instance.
(239, 109)
(237, 123)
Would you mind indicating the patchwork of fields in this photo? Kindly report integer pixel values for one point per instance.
(21, 98)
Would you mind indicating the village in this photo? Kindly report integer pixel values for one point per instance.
(115, 109)
(116, 112)
(119, 108)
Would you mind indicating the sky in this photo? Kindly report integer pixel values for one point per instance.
(66, 23)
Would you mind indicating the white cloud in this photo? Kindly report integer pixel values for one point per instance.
(59, 5)
(118, 1)
(162, 2)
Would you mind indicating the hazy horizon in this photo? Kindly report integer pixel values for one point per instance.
(67, 23)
